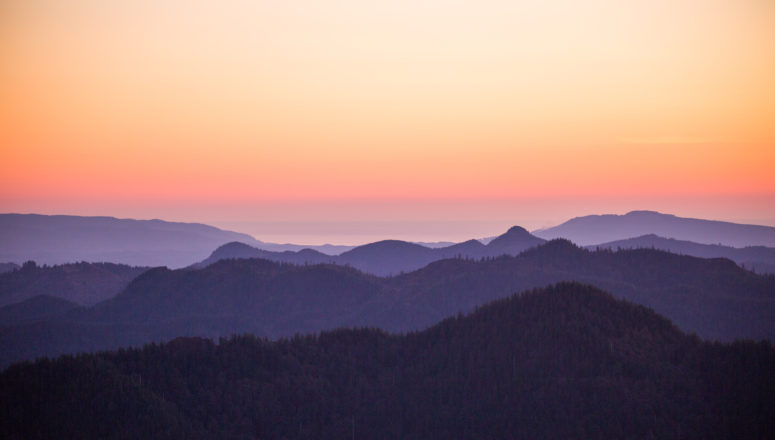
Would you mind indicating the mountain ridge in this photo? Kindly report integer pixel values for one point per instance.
(594, 229)
(61, 239)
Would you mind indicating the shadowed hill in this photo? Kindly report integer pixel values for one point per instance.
(37, 308)
(389, 257)
(469, 248)
(82, 283)
(594, 229)
(568, 361)
(714, 298)
(277, 296)
(242, 250)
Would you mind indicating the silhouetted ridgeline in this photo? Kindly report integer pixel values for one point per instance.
(756, 258)
(387, 257)
(714, 298)
(562, 362)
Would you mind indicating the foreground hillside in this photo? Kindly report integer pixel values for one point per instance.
(567, 361)
(714, 298)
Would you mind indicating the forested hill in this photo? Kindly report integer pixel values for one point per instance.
(714, 298)
(82, 283)
(756, 258)
(567, 361)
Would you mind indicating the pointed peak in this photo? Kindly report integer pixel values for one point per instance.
(514, 241)
(517, 230)
(515, 233)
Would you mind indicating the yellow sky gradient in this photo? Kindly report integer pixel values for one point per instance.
(173, 103)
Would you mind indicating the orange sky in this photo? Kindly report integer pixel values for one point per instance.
(485, 113)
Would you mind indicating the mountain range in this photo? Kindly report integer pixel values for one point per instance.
(566, 361)
(595, 229)
(405, 362)
(86, 284)
(69, 239)
(387, 257)
(711, 297)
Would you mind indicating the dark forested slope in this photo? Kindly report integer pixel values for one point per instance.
(567, 361)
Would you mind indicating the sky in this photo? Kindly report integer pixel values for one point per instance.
(348, 121)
